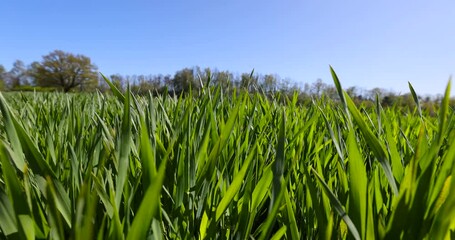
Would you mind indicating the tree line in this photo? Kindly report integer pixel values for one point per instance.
(68, 72)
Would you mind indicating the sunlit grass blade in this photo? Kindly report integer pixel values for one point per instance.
(373, 142)
(261, 188)
(357, 186)
(443, 181)
(445, 217)
(124, 152)
(235, 186)
(279, 234)
(443, 112)
(290, 212)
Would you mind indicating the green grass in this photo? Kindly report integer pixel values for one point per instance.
(223, 166)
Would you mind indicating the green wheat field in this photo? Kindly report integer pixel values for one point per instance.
(217, 165)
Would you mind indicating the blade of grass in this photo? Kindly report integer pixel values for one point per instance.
(443, 113)
(416, 100)
(16, 194)
(8, 221)
(124, 146)
(290, 212)
(271, 218)
(12, 135)
(147, 156)
(235, 186)
(373, 142)
(337, 206)
(279, 163)
(357, 185)
(114, 89)
(340, 91)
(149, 208)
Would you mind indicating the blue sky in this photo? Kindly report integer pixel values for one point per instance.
(369, 43)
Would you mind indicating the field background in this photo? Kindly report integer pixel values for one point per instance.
(218, 165)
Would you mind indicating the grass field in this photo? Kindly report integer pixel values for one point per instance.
(223, 166)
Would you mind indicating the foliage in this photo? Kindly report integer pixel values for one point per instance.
(85, 166)
(2, 77)
(184, 80)
(65, 70)
(18, 75)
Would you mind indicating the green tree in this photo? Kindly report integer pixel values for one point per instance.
(2, 77)
(65, 71)
(143, 84)
(352, 91)
(376, 91)
(331, 92)
(184, 80)
(17, 76)
(318, 87)
(284, 86)
(270, 82)
(118, 81)
(249, 81)
(223, 79)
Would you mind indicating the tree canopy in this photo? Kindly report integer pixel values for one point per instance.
(65, 70)
(17, 76)
(2, 77)
(184, 80)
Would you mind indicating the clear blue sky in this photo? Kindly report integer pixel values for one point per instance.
(369, 43)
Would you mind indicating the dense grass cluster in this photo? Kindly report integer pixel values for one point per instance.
(222, 166)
